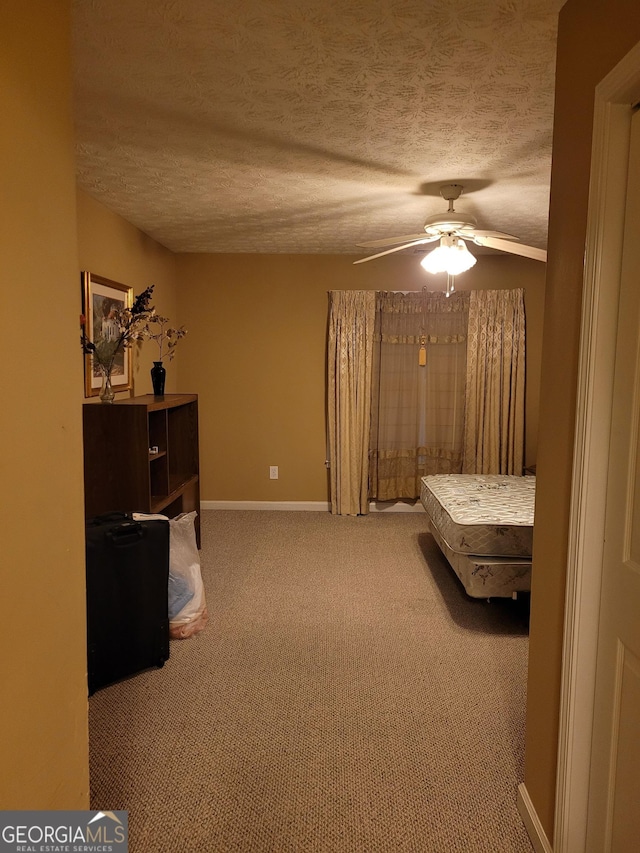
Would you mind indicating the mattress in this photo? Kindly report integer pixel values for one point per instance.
(483, 525)
(482, 514)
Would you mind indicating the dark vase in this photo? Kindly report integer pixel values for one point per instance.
(158, 375)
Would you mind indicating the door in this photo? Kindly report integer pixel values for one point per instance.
(613, 824)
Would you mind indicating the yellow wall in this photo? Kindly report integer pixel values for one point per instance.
(43, 711)
(109, 246)
(256, 356)
(593, 38)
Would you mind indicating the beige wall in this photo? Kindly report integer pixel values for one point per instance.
(43, 710)
(256, 356)
(593, 37)
(109, 246)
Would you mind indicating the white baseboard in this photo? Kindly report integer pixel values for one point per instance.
(309, 506)
(532, 821)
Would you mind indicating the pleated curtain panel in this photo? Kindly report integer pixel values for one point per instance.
(420, 384)
(494, 408)
(352, 316)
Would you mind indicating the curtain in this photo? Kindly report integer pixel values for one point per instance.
(494, 415)
(349, 364)
(417, 410)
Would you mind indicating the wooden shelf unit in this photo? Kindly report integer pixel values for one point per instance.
(120, 472)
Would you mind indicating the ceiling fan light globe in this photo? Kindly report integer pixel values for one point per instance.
(460, 259)
(451, 256)
(435, 261)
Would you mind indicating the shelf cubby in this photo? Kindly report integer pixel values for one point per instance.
(120, 471)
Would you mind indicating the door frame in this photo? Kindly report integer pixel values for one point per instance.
(614, 98)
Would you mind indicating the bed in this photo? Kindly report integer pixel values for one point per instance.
(483, 524)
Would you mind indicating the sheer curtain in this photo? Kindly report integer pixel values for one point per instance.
(349, 365)
(494, 416)
(417, 412)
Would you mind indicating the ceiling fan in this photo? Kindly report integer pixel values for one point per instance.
(451, 229)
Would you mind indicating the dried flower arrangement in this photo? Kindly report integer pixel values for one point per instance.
(166, 337)
(126, 326)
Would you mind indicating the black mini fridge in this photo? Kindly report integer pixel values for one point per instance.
(127, 564)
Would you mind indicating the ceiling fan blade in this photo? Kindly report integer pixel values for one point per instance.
(389, 241)
(513, 248)
(395, 249)
(477, 232)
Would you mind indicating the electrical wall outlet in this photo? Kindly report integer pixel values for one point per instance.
(273, 472)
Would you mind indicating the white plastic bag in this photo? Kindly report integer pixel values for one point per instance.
(185, 579)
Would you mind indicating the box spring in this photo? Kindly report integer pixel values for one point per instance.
(484, 526)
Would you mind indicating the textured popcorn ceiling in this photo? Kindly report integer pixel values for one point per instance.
(308, 126)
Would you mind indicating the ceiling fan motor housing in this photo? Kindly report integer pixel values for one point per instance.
(444, 224)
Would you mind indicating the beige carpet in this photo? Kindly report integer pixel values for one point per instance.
(346, 697)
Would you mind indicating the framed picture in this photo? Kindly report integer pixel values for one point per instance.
(101, 297)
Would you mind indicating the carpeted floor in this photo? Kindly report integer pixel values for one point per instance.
(346, 697)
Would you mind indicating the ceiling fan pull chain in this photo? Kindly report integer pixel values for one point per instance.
(450, 285)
